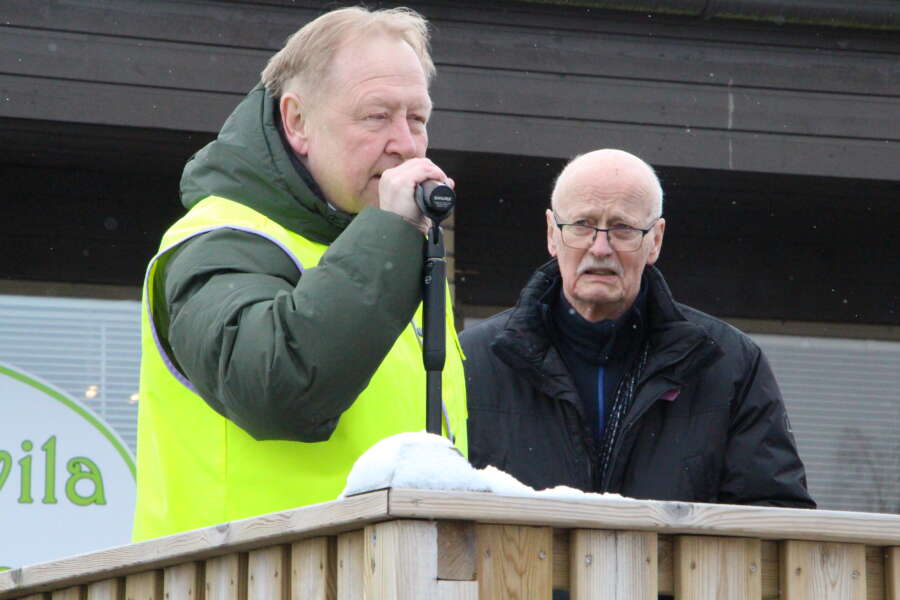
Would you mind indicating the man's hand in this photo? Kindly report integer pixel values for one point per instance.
(396, 190)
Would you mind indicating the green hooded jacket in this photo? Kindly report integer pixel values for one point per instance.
(280, 355)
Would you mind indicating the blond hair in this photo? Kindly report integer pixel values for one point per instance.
(307, 54)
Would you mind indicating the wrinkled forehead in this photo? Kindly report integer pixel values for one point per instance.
(623, 191)
(379, 54)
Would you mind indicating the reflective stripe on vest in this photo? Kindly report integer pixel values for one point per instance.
(197, 468)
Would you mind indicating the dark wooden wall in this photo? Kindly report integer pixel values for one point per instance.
(514, 79)
(754, 127)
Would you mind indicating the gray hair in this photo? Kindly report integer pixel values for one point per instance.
(303, 62)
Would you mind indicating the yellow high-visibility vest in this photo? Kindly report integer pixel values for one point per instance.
(196, 468)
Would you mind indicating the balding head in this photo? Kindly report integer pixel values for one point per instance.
(619, 193)
(606, 168)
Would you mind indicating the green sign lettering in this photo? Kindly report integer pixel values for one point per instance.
(79, 468)
(25, 476)
(49, 449)
(5, 466)
(84, 468)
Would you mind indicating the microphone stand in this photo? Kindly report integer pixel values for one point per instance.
(434, 346)
(436, 201)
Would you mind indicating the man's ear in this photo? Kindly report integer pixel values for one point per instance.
(551, 234)
(659, 228)
(295, 121)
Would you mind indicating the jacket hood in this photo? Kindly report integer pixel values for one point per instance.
(248, 163)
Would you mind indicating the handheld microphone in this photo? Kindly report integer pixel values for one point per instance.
(435, 200)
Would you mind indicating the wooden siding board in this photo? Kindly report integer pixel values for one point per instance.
(667, 104)
(112, 104)
(667, 146)
(80, 53)
(641, 100)
(676, 94)
(642, 55)
(248, 24)
(129, 61)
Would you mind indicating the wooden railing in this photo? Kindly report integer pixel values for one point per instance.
(419, 544)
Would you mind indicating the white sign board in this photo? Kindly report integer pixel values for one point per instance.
(66, 479)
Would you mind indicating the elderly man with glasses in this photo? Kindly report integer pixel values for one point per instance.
(599, 380)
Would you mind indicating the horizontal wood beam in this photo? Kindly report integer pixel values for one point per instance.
(599, 512)
(258, 532)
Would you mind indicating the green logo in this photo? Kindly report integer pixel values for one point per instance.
(80, 468)
(59, 464)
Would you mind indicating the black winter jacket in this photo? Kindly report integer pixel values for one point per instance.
(707, 424)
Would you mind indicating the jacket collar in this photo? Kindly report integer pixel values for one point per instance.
(677, 346)
(249, 163)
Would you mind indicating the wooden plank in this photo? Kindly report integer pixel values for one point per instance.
(314, 569)
(614, 54)
(602, 512)
(144, 586)
(401, 560)
(716, 148)
(76, 592)
(350, 567)
(266, 25)
(129, 61)
(770, 570)
(288, 526)
(490, 38)
(561, 565)
(717, 567)
(709, 149)
(456, 550)
(665, 578)
(253, 25)
(823, 571)
(158, 64)
(185, 581)
(226, 577)
(96, 103)
(875, 575)
(892, 573)
(681, 105)
(514, 561)
(613, 564)
(109, 589)
(268, 573)
(457, 590)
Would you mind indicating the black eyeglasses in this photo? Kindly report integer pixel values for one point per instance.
(622, 238)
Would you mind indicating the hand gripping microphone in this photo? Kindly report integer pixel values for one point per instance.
(435, 200)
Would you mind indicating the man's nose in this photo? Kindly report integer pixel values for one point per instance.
(601, 246)
(402, 141)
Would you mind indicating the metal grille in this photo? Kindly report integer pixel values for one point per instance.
(843, 398)
(90, 349)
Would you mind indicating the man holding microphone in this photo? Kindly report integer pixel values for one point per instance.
(281, 317)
